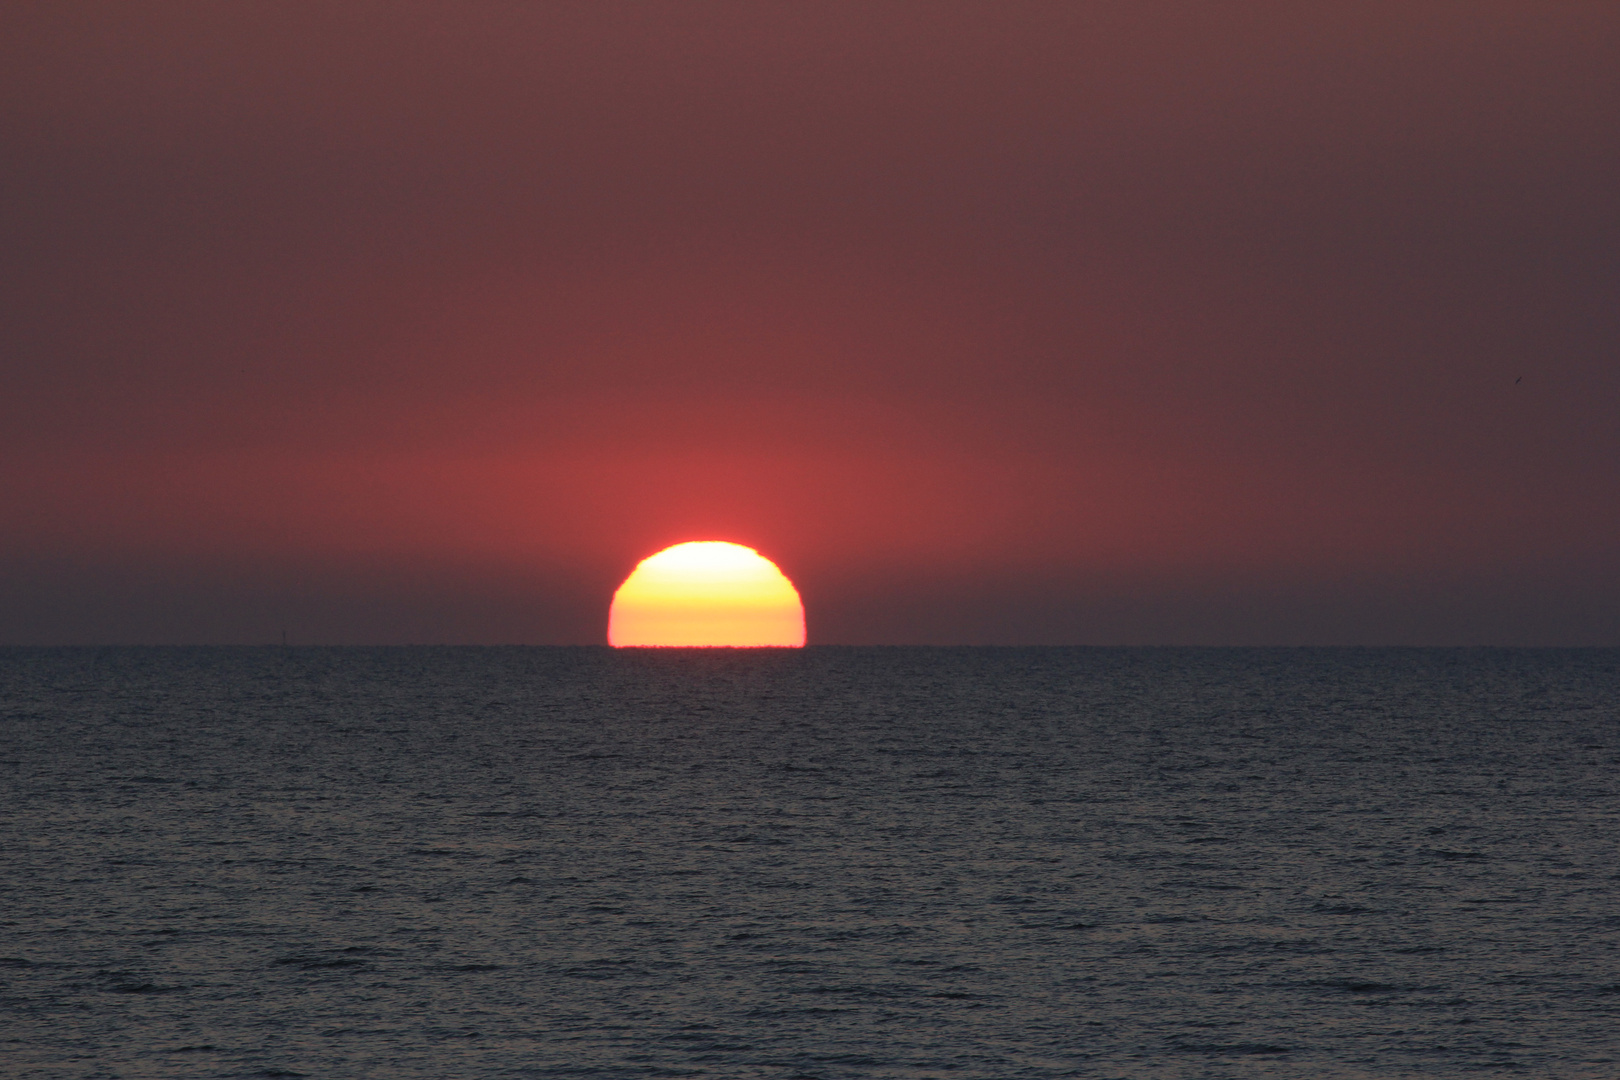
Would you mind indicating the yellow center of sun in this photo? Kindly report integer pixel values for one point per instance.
(706, 593)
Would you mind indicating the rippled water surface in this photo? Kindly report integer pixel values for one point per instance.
(995, 863)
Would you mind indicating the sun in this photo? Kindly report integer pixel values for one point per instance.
(706, 593)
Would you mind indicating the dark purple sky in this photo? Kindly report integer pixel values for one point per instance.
(991, 323)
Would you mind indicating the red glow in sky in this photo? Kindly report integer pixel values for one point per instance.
(992, 323)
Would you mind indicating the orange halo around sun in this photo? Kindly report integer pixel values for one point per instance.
(706, 593)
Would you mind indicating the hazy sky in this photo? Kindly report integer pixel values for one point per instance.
(1067, 322)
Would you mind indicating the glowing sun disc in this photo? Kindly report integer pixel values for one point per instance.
(706, 593)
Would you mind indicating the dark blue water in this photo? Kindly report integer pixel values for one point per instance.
(824, 863)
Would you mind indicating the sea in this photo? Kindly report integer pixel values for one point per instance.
(823, 863)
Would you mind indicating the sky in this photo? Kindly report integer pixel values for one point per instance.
(991, 323)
